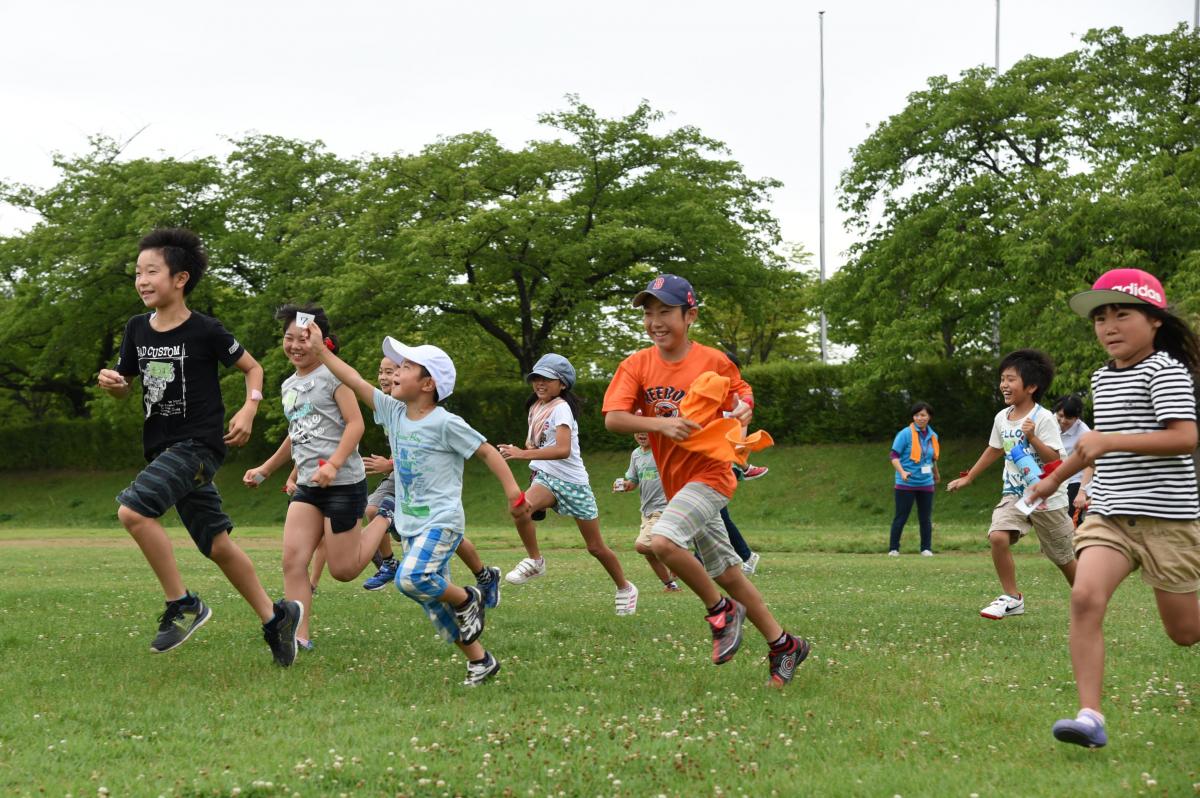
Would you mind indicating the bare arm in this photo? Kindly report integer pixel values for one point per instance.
(677, 428)
(990, 455)
(113, 383)
(495, 463)
(899, 468)
(282, 455)
(561, 449)
(345, 373)
(351, 435)
(242, 422)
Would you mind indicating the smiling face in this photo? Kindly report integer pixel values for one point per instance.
(153, 280)
(643, 439)
(409, 384)
(921, 419)
(667, 325)
(1127, 334)
(1013, 388)
(294, 346)
(386, 368)
(545, 389)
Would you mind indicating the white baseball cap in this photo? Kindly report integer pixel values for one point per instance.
(436, 362)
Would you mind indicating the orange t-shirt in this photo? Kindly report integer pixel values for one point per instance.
(646, 382)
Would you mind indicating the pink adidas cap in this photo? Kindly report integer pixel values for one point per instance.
(1120, 287)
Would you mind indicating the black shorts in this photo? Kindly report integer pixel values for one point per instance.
(343, 505)
(181, 476)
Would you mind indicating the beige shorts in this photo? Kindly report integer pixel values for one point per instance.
(1166, 549)
(1054, 528)
(648, 522)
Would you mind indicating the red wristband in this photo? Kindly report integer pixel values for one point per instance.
(518, 501)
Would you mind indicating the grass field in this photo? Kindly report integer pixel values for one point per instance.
(908, 692)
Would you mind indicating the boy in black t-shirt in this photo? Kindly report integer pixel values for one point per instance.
(176, 352)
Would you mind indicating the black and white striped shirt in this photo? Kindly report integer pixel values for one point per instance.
(1137, 399)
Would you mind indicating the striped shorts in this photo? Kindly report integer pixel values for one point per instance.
(570, 498)
(424, 573)
(692, 520)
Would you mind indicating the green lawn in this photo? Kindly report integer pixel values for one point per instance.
(908, 691)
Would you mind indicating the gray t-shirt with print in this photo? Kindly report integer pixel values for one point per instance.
(644, 471)
(315, 425)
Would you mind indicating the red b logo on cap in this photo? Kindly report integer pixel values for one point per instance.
(658, 283)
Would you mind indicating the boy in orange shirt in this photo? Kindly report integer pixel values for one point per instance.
(654, 381)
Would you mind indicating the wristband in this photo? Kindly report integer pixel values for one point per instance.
(256, 395)
(747, 400)
(518, 501)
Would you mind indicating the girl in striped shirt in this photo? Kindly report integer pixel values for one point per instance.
(1144, 502)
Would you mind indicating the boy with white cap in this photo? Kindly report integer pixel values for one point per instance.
(429, 445)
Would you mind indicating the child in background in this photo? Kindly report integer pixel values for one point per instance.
(324, 428)
(559, 477)
(1144, 501)
(429, 446)
(176, 351)
(1068, 412)
(643, 475)
(1024, 376)
(655, 381)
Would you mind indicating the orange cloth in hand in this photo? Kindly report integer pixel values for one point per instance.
(721, 438)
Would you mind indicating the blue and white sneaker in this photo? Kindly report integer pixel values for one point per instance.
(1086, 729)
(489, 586)
(384, 576)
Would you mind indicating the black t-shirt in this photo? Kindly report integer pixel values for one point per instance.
(181, 395)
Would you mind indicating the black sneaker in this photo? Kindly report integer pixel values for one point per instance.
(726, 631)
(280, 631)
(178, 621)
(783, 664)
(478, 674)
(470, 617)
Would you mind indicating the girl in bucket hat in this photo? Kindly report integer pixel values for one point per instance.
(1144, 501)
(560, 480)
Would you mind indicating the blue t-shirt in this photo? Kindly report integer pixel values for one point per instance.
(920, 473)
(428, 455)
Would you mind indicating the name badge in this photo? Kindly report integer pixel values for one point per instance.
(926, 469)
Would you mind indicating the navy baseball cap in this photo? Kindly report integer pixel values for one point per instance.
(553, 367)
(670, 289)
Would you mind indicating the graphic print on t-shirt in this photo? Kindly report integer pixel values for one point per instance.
(161, 366)
(303, 422)
(665, 400)
(408, 475)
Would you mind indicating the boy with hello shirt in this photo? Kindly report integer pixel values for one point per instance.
(655, 381)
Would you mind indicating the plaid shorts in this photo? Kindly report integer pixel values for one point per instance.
(570, 498)
(424, 573)
(181, 476)
(692, 520)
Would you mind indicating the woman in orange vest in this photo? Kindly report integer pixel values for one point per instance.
(915, 453)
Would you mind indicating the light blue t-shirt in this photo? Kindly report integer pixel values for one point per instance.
(920, 474)
(428, 455)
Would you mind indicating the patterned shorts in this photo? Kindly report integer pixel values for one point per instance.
(424, 573)
(692, 520)
(570, 498)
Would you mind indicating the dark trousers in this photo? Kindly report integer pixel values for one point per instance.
(1072, 492)
(904, 503)
(735, 537)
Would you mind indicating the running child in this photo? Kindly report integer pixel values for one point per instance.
(655, 381)
(176, 351)
(1023, 427)
(560, 480)
(429, 446)
(1144, 503)
(643, 475)
(324, 428)
(1068, 411)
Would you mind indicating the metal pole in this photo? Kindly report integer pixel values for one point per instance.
(996, 313)
(1196, 16)
(821, 179)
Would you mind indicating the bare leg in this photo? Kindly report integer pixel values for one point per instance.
(745, 593)
(156, 547)
(1068, 571)
(599, 549)
(659, 569)
(385, 545)
(686, 567)
(239, 570)
(1101, 569)
(303, 529)
(349, 552)
(318, 563)
(470, 557)
(539, 499)
(473, 651)
(1002, 558)
(1180, 613)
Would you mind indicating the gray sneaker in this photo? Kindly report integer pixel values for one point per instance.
(478, 674)
(178, 621)
(470, 616)
(280, 631)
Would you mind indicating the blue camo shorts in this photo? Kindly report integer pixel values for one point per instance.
(570, 498)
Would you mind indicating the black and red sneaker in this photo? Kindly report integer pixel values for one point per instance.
(783, 662)
(726, 631)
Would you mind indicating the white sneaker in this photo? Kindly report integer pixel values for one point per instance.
(893, 553)
(751, 565)
(1004, 606)
(627, 600)
(926, 553)
(526, 569)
